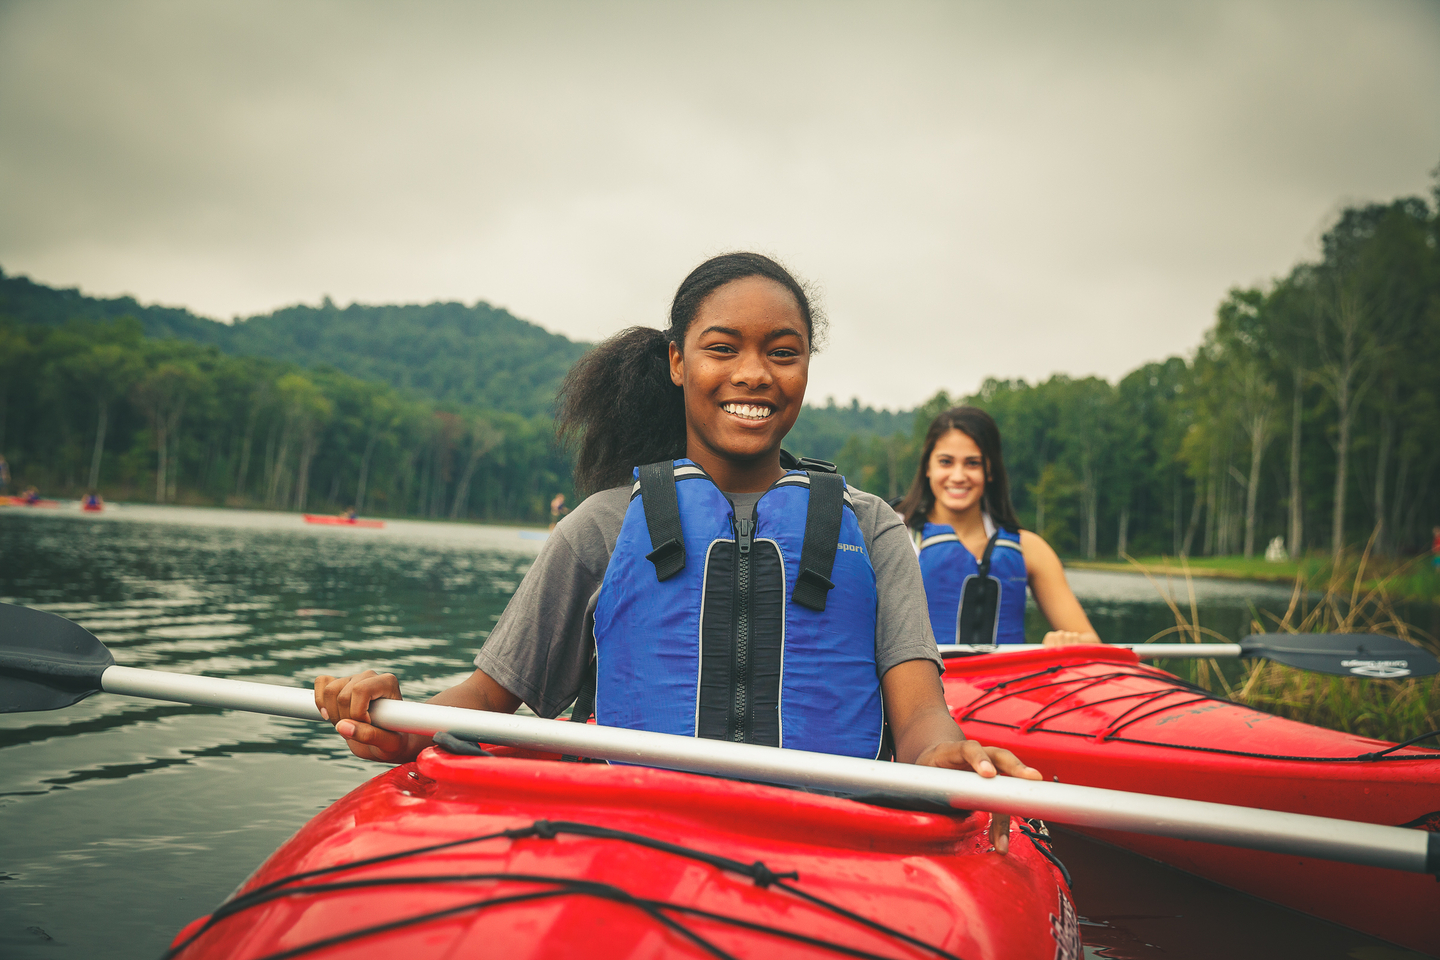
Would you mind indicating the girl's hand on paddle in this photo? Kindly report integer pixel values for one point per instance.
(345, 702)
(1065, 638)
(988, 762)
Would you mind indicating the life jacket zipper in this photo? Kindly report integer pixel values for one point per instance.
(740, 730)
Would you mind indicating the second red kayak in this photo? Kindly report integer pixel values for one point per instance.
(1096, 716)
(341, 521)
(524, 857)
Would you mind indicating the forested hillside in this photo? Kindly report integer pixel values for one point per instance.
(438, 410)
(1310, 412)
(98, 405)
(476, 355)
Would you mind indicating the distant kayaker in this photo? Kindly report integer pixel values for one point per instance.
(30, 495)
(975, 558)
(348, 514)
(557, 509)
(702, 568)
(92, 501)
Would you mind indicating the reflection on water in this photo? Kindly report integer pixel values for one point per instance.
(1128, 608)
(123, 818)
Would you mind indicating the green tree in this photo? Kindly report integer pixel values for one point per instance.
(163, 392)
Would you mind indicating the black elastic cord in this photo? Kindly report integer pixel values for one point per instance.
(662, 518)
(758, 872)
(1039, 835)
(566, 887)
(822, 540)
(1011, 688)
(1380, 754)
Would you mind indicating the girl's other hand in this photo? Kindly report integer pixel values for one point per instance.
(345, 702)
(988, 762)
(1066, 638)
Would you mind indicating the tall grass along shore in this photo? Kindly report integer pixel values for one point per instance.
(1355, 596)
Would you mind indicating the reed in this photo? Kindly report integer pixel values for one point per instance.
(1355, 598)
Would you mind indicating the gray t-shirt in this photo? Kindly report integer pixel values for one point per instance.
(540, 647)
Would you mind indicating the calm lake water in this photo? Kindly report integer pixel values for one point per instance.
(122, 819)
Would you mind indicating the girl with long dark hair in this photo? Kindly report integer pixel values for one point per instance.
(975, 559)
(710, 585)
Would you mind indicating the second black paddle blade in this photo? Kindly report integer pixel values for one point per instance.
(1372, 655)
(46, 662)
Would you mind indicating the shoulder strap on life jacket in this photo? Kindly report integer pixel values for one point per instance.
(662, 517)
(822, 539)
(584, 706)
(989, 551)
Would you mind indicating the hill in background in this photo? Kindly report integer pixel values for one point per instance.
(478, 355)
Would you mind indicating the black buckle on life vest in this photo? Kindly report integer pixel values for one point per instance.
(788, 461)
(812, 589)
(669, 559)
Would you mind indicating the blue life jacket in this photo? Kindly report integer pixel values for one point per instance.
(727, 628)
(973, 601)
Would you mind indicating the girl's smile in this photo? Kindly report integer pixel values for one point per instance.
(744, 367)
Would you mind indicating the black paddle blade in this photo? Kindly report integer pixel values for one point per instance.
(46, 662)
(1344, 654)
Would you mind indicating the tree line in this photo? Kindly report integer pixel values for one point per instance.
(479, 355)
(97, 405)
(1310, 412)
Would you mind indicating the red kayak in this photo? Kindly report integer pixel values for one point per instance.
(341, 521)
(1098, 717)
(22, 502)
(522, 855)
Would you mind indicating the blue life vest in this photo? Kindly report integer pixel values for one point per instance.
(977, 614)
(727, 628)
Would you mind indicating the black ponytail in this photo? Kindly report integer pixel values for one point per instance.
(618, 401)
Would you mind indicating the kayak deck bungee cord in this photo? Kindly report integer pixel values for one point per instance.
(684, 865)
(1096, 716)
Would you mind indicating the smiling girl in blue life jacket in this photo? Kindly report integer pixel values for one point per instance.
(725, 590)
(974, 557)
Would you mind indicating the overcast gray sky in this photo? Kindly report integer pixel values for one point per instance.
(976, 189)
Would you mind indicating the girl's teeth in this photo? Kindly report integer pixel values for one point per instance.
(748, 411)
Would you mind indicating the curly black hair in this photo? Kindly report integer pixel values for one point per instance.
(618, 402)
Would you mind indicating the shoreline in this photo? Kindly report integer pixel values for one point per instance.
(1313, 572)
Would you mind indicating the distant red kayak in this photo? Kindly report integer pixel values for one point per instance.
(341, 521)
(22, 502)
(1096, 716)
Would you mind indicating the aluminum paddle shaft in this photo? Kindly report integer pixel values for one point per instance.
(1374, 655)
(1397, 848)
(1145, 651)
